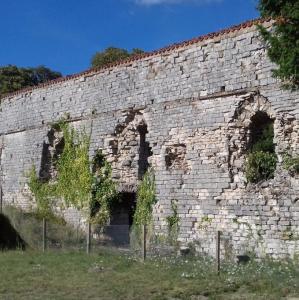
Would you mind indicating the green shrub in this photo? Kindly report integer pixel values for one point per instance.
(291, 163)
(261, 160)
(173, 220)
(173, 223)
(260, 165)
(265, 141)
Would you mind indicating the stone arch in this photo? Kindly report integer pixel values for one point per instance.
(254, 111)
(249, 105)
(259, 123)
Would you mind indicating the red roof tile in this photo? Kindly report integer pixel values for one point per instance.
(166, 49)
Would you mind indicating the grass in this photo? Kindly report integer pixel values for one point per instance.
(103, 275)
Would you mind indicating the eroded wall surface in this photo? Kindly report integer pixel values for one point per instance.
(187, 113)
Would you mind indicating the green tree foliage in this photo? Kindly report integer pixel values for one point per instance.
(111, 55)
(74, 176)
(13, 78)
(42, 74)
(283, 40)
(146, 198)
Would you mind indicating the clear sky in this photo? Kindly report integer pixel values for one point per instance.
(64, 34)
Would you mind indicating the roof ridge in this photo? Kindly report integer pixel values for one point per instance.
(137, 57)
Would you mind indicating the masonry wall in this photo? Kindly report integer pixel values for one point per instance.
(193, 103)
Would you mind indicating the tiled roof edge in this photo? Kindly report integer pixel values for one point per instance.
(166, 49)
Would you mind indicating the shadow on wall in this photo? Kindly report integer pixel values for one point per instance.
(9, 237)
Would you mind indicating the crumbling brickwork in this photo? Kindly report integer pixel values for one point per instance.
(187, 112)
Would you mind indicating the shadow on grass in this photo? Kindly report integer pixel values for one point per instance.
(9, 237)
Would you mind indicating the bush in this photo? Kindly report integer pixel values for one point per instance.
(260, 165)
(261, 159)
(291, 164)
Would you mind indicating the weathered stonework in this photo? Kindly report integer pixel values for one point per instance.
(187, 112)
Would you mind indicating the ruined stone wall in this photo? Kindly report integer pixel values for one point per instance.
(187, 109)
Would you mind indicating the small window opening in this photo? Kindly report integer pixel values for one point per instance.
(144, 151)
(262, 133)
(261, 159)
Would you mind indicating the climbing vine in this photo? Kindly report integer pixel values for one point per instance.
(173, 222)
(84, 184)
(74, 176)
(103, 191)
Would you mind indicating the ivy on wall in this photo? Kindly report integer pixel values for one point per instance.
(74, 176)
(81, 183)
(173, 222)
(103, 190)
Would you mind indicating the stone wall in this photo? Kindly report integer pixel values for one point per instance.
(186, 111)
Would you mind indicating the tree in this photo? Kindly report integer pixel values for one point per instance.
(283, 40)
(42, 74)
(13, 78)
(111, 55)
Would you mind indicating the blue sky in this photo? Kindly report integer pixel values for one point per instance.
(64, 34)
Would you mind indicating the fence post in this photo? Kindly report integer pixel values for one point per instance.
(1, 200)
(218, 235)
(88, 240)
(44, 234)
(144, 242)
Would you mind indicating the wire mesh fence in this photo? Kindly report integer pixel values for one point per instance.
(138, 241)
(43, 235)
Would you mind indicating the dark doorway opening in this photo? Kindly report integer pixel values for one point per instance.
(122, 219)
(123, 211)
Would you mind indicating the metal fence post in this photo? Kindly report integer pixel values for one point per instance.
(44, 234)
(144, 242)
(88, 239)
(218, 235)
